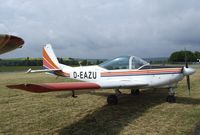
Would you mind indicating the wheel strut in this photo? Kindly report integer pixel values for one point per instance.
(171, 97)
(73, 94)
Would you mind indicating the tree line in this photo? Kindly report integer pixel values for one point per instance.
(180, 56)
(38, 62)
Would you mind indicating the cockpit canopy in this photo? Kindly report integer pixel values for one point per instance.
(124, 62)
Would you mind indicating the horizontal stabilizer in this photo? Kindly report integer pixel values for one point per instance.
(42, 70)
(50, 87)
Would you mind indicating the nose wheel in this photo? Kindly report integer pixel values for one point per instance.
(171, 97)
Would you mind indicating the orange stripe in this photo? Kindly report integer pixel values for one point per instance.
(47, 59)
(5, 40)
(52, 67)
(46, 56)
(142, 71)
(61, 73)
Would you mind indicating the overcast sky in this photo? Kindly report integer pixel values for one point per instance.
(102, 28)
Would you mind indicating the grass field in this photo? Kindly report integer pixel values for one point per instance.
(58, 113)
(18, 68)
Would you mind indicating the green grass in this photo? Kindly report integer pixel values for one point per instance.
(23, 59)
(17, 68)
(58, 113)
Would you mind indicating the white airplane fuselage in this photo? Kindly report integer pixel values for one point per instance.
(147, 78)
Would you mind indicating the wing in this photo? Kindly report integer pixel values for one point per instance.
(9, 43)
(124, 83)
(50, 87)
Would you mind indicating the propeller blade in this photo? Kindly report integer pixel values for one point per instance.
(188, 83)
(186, 64)
(186, 61)
(188, 77)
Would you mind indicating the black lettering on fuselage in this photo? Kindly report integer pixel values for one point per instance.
(85, 75)
(81, 75)
(75, 75)
(94, 75)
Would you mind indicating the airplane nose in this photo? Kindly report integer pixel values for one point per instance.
(188, 71)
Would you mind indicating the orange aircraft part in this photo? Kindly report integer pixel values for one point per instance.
(49, 87)
(9, 43)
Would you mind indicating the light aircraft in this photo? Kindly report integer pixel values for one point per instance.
(9, 43)
(128, 72)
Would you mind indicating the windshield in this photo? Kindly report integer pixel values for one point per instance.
(116, 63)
(138, 62)
(124, 62)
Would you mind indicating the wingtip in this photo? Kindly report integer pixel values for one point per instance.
(29, 87)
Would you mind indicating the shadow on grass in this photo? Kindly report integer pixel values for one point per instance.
(69, 93)
(112, 119)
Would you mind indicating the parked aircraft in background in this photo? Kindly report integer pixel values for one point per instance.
(9, 43)
(128, 72)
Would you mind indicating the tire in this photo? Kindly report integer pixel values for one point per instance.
(135, 92)
(112, 100)
(171, 99)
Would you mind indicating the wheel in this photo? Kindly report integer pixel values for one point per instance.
(135, 92)
(112, 100)
(171, 99)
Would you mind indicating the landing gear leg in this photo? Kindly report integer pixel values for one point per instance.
(171, 97)
(113, 99)
(135, 92)
(73, 94)
(118, 92)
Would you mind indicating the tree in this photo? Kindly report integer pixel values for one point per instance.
(179, 56)
(197, 54)
(83, 63)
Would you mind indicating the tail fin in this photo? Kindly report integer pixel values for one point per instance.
(49, 58)
(51, 62)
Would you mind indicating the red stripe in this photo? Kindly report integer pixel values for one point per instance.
(49, 87)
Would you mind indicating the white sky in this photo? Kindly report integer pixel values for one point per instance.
(102, 28)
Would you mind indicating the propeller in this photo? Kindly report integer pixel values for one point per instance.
(187, 77)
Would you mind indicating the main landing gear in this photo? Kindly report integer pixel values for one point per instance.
(135, 92)
(113, 99)
(171, 97)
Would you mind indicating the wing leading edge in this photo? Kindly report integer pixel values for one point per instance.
(50, 87)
